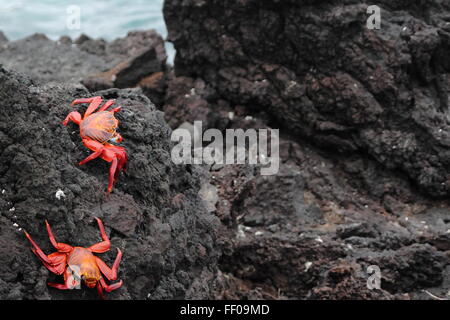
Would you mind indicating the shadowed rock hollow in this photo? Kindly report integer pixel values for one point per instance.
(169, 246)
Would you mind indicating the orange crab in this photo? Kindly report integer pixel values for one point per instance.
(78, 263)
(97, 130)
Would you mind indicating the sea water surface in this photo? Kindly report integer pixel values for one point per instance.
(106, 19)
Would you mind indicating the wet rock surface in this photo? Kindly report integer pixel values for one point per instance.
(169, 246)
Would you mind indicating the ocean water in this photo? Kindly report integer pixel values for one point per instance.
(106, 19)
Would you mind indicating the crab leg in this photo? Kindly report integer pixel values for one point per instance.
(56, 267)
(112, 174)
(92, 156)
(58, 262)
(121, 156)
(59, 286)
(61, 247)
(94, 103)
(116, 109)
(52, 262)
(110, 274)
(105, 244)
(107, 104)
(111, 287)
(74, 116)
(123, 161)
(100, 291)
(37, 251)
(108, 153)
(95, 146)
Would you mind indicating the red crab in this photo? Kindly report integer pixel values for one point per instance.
(97, 130)
(78, 263)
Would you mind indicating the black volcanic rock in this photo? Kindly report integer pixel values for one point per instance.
(363, 122)
(96, 63)
(284, 242)
(320, 73)
(3, 38)
(169, 246)
(46, 60)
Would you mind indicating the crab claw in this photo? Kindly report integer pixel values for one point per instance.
(117, 138)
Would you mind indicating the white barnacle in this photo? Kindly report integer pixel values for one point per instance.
(60, 194)
(308, 265)
(240, 232)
